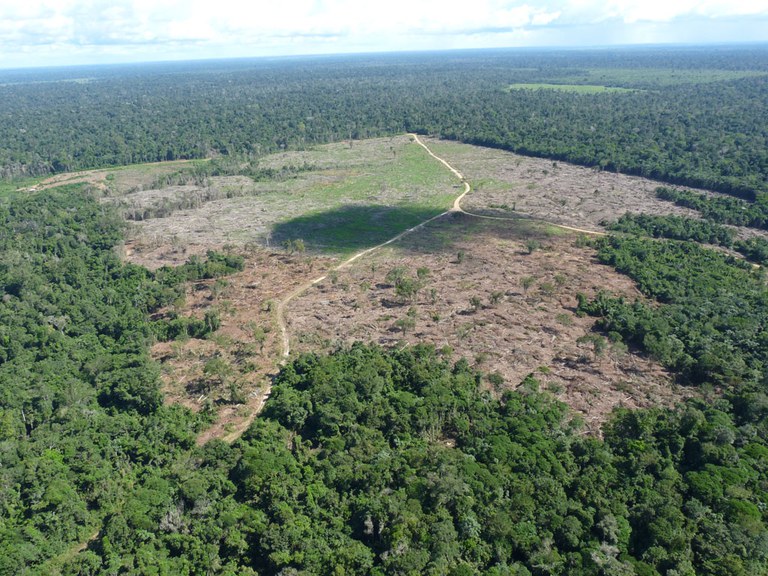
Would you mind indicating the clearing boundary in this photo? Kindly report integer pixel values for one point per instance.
(285, 346)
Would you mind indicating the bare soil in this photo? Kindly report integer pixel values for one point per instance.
(476, 304)
(511, 313)
(508, 184)
(247, 341)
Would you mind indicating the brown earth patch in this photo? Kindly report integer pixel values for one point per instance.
(486, 298)
(510, 313)
(243, 354)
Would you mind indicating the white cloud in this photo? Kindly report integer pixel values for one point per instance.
(199, 28)
(631, 11)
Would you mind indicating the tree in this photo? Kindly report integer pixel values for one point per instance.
(216, 370)
(532, 245)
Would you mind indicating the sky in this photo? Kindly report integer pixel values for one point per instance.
(72, 32)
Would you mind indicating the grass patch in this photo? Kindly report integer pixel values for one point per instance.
(655, 77)
(348, 229)
(576, 88)
(369, 204)
(9, 187)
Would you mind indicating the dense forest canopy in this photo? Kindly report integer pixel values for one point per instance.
(696, 116)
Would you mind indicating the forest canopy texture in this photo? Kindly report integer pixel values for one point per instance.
(692, 116)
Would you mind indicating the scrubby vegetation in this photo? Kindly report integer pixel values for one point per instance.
(710, 327)
(674, 227)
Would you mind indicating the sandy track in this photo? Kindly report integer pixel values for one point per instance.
(281, 307)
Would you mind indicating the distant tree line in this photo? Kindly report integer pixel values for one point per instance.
(752, 212)
(704, 129)
(754, 249)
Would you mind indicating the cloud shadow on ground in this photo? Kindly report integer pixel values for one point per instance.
(350, 228)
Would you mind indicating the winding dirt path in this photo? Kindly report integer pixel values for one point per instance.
(457, 203)
(285, 346)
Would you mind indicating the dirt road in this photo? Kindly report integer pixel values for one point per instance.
(286, 344)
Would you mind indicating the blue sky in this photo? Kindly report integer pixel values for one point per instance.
(67, 32)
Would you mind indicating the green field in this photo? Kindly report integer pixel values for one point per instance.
(8, 187)
(337, 198)
(602, 80)
(576, 88)
(654, 77)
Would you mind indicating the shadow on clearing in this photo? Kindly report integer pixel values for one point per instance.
(349, 229)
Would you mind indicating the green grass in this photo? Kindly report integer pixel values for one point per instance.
(346, 197)
(654, 77)
(370, 203)
(415, 174)
(576, 88)
(348, 229)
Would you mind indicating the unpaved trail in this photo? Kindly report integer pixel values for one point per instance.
(96, 176)
(286, 344)
(457, 203)
(285, 347)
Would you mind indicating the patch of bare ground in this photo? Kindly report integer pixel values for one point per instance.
(227, 373)
(508, 184)
(502, 295)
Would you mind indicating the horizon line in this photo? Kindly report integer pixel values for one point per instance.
(321, 55)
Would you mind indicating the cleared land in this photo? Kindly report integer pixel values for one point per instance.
(337, 198)
(484, 297)
(245, 351)
(576, 88)
(655, 77)
(116, 181)
(505, 184)
(499, 293)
